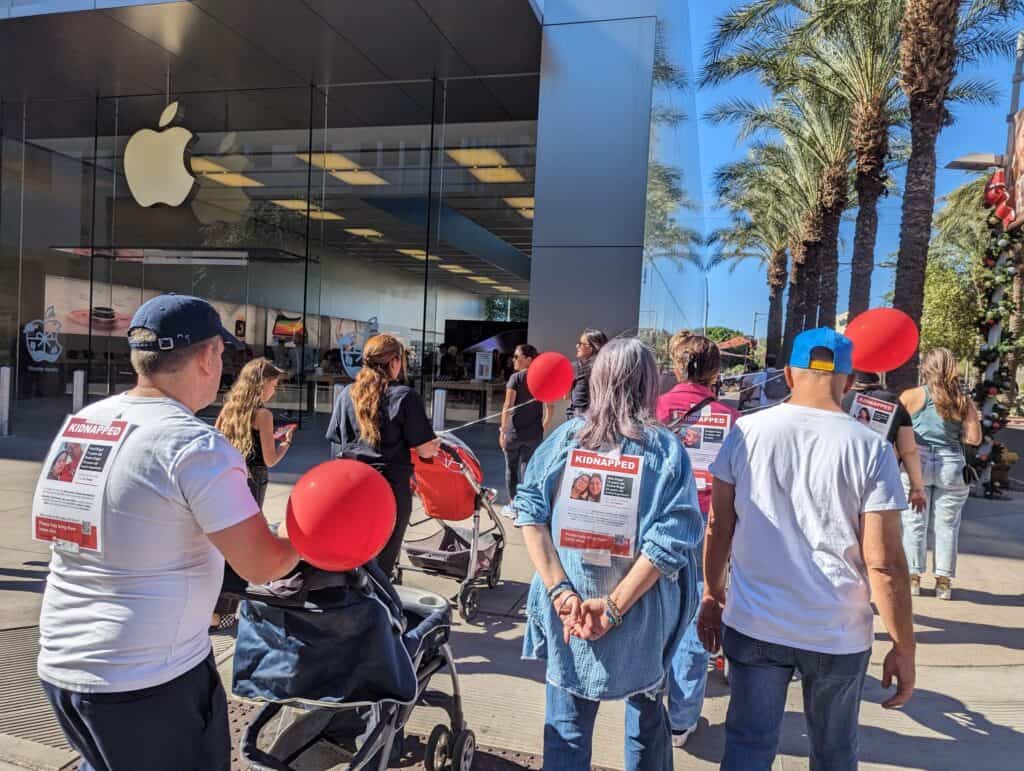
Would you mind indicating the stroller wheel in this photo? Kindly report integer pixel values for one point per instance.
(469, 603)
(464, 750)
(439, 749)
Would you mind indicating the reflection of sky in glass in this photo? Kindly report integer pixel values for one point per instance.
(672, 292)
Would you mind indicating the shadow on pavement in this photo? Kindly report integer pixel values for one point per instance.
(28, 580)
(948, 632)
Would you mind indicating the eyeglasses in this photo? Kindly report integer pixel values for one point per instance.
(582, 343)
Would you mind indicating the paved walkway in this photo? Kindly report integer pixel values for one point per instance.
(968, 712)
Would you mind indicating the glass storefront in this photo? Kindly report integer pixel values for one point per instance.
(318, 217)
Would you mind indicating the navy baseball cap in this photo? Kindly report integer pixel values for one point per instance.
(840, 345)
(178, 321)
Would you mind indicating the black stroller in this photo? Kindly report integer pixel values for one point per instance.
(352, 657)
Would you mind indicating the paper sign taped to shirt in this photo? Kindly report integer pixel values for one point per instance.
(874, 413)
(67, 508)
(702, 434)
(598, 503)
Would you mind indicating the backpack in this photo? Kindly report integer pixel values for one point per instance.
(775, 388)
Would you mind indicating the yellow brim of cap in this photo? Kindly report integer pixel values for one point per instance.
(824, 366)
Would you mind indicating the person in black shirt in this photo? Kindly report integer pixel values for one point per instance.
(377, 421)
(590, 342)
(900, 433)
(523, 422)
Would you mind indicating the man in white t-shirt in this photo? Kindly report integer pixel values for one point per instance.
(125, 657)
(805, 523)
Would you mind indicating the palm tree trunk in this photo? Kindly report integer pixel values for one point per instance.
(869, 190)
(926, 120)
(812, 285)
(796, 302)
(829, 261)
(870, 133)
(776, 291)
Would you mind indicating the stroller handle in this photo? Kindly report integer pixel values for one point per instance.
(450, 452)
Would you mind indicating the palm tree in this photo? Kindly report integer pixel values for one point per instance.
(761, 229)
(816, 125)
(851, 49)
(936, 37)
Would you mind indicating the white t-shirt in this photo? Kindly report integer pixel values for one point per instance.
(803, 477)
(137, 615)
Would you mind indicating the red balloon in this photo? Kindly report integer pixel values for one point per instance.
(883, 339)
(549, 377)
(340, 515)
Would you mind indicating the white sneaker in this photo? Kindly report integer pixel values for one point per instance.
(679, 737)
(508, 511)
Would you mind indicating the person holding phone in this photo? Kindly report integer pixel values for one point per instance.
(249, 426)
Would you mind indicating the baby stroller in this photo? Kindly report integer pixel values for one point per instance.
(450, 486)
(352, 657)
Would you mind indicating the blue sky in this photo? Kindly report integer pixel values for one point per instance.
(735, 296)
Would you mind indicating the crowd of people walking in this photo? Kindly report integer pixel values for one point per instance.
(664, 525)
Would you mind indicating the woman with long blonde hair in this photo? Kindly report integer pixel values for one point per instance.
(249, 426)
(377, 421)
(944, 420)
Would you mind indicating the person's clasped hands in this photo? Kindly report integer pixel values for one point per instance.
(589, 620)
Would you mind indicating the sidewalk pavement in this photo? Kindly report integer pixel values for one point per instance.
(966, 714)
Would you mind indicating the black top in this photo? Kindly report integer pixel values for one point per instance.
(902, 417)
(255, 458)
(403, 425)
(527, 421)
(579, 398)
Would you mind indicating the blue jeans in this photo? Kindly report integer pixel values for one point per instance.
(759, 677)
(569, 732)
(946, 493)
(689, 676)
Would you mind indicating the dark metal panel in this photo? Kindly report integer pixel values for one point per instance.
(295, 36)
(207, 53)
(593, 134)
(396, 35)
(476, 35)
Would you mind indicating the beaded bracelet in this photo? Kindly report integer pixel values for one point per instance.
(612, 612)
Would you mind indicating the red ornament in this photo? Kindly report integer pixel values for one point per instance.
(992, 391)
(550, 377)
(340, 515)
(883, 339)
(995, 190)
(1005, 212)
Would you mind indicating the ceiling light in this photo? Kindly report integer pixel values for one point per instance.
(359, 178)
(222, 175)
(456, 269)
(418, 254)
(482, 280)
(528, 213)
(329, 161)
(506, 290)
(365, 232)
(299, 206)
(523, 202)
(477, 157)
(292, 204)
(497, 175)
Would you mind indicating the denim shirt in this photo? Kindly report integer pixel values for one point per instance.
(633, 658)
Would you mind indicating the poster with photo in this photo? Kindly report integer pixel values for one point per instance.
(874, 413)
(598, 503)
(113, 305)
(67, 507)
(702, 434)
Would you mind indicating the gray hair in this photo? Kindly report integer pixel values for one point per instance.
(149, 363)
(623, 394)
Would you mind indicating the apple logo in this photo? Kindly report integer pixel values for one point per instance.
(154, 162)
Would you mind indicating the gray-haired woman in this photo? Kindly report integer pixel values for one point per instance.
(609, 603)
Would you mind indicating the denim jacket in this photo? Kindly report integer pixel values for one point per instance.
(634, 658)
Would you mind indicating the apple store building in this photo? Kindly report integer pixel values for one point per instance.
(463, 174)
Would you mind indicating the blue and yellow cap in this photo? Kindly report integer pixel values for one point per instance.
(839, 345)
